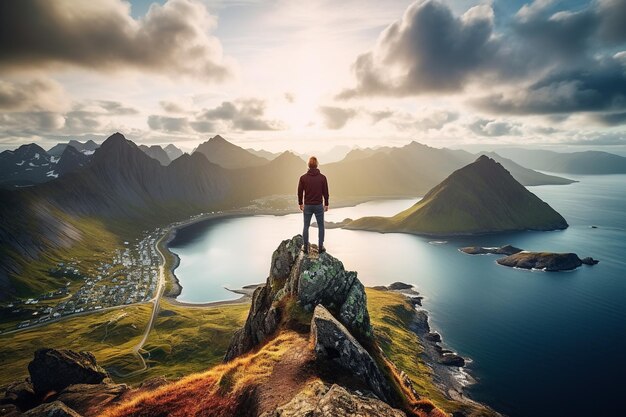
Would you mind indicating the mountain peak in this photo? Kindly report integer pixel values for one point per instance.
(482, 197)
(218, 138)
(116, 139)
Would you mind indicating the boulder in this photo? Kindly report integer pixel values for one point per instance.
(451, 359)
(90, 399)
(396, 286)
(319, 400)
(433, 337)
(54, 370)
(10, 410)
(310, 280)
(332, 341)
(21, 394)
(53, 409)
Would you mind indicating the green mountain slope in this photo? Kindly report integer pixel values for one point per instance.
(481, 197)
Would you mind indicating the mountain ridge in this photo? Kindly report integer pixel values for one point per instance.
(481, 197)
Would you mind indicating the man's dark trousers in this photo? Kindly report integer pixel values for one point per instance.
(309, 211)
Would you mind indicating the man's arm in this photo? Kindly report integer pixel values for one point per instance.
(300, 192)
(325, 193)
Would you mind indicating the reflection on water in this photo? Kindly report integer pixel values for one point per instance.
(539, 341)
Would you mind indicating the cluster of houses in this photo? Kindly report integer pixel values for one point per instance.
(130, 277)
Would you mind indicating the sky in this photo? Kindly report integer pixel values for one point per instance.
(311, 75)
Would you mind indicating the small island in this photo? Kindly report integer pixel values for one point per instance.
(545, 261)
(519, 258)
(479, 250)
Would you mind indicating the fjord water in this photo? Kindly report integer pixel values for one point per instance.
(541, 344)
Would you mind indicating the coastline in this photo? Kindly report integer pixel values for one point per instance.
(451, 380)
(171, 230)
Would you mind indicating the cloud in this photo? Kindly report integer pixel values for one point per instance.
(611, 119)
(379, 115)
(171, 107)
(599, 139)
(242, 114)
(117, 108)
(336, 117)
(87, 117)
(612, 20)
(599, 87)
(432, 50)
(422, 120)
(38, 94)
(171, 39)
(169, 124)
(429, 50)
(494, 128)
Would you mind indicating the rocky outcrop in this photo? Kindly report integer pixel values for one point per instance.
(53, 409)
(502, 250)
(21, 394)
(310, 279)
(65, 383)
(88, 399)
(320, 400)
(546, 261)
(332, 341)
(54, 370)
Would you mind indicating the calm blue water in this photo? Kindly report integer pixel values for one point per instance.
(542, 344)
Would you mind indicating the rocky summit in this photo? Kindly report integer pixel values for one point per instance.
(54, 370)
(310, 281)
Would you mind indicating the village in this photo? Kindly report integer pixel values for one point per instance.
(131, 276)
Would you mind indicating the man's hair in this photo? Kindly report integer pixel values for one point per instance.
(312, 162)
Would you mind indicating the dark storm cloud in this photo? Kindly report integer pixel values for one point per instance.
(612, 16)
(493, 128)
(612, 119)
(101, 35)
(601, 87)
(336, 117)
(429, 50)
(562, 54)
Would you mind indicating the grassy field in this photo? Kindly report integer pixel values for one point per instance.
(185, 340)
(110, 335)
(391, 315)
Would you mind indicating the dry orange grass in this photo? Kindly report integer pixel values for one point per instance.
(220, 391)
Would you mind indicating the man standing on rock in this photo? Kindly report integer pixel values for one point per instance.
(313, 186)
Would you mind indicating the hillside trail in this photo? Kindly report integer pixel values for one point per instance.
(289, 376)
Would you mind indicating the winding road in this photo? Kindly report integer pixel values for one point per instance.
(155, 311)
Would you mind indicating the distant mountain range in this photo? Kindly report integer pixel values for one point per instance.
(582, 163)
(87, 148)
(482, 197)
(31, 164)
(156, 152)
(121, 190)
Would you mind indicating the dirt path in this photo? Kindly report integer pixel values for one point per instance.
(289, 376)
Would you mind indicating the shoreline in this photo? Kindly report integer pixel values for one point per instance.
(451, 380)
(172, 229)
